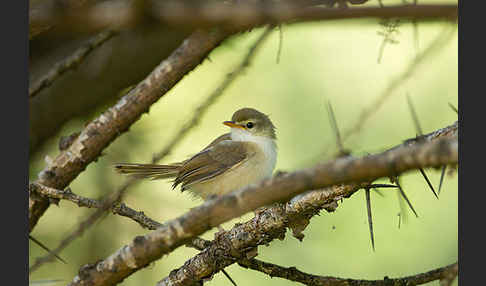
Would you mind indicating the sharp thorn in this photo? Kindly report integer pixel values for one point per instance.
(442, 173)
(227, 276)
(405, 197)
(428, 182)
(370, 220)
(332, 120)
(453, 107)
(414, 115)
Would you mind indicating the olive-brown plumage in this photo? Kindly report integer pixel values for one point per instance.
(233, 160)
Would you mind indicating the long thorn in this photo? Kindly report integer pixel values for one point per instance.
(405, 197)
(46, 248)
(442, 173)
(227, 276)
(414, 115)
(332, 120)
(419, 131)
(370, 220)
(453, 107)
(428, 182)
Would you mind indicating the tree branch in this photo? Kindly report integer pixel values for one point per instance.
(239, 15)
(70, 62)
(293, 274)
(174, 233)
(448, 272)
(119, 209)
(254, 13)
(99, 133)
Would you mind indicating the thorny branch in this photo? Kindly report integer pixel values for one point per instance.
(174, 233)
(100, 132)
(293, 274)
(447, 273)
(234, 245)
(438, 43)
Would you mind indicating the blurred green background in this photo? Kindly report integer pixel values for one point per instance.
(327, 61)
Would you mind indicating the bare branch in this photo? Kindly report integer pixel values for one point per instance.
(252, 13)
(70, 62)
(174, 233)
(119, 209)
(266, 226)
(240, 15)
(293, 274)
(99, 133)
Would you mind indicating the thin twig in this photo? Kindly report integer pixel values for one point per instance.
(293, 274)
(82, 227)
(119, 209)
(71, 62)
(46, 248)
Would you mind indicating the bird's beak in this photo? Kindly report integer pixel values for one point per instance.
(232, 124)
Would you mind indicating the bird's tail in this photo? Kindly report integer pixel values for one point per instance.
(150, 171)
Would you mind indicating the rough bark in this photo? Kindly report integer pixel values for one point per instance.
(145, 249)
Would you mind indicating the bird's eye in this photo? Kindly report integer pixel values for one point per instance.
(249, 125)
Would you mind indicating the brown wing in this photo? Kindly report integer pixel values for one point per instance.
(155, 171)
(212, 161)
(226, 136)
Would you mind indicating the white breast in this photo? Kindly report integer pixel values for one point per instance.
(267, 145)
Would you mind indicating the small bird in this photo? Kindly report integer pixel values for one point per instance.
(234, 160)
